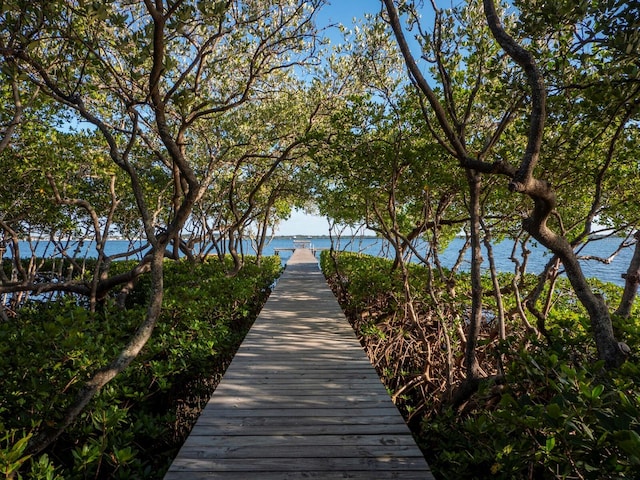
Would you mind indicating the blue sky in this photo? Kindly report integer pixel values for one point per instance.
(338, 11)
(301, 224)
(343, 11)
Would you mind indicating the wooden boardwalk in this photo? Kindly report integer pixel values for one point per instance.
(300, 399)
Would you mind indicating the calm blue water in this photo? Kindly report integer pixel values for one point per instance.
(373, 246)
(502, 252)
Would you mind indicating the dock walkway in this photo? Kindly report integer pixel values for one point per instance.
(300, 399)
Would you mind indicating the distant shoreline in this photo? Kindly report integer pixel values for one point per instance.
(116, 238)
(122, 239)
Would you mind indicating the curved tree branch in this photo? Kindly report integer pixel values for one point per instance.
(524, 176)
(422, 84)
(544, 197)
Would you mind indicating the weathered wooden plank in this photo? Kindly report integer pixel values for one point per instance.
(305, 389)
(293, 464)
(299, 452)
(280, 401)
(304, 368)
(279, 475)
(309, 378)
(266, 429)
(381, 422)
(295, 364)
(312, 348)
(300, 399)
(319, 358)
(326, 384)
(315, 376)
(285, 440)
(289, 390)
(308, 370)
(239, 430)
(301, 411)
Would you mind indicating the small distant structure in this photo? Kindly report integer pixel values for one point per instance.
(302, 244)
(299, 244)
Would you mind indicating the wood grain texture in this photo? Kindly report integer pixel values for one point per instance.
(300, 399)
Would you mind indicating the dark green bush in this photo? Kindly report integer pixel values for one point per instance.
(557, 414)
(134, 427)
(553, 418)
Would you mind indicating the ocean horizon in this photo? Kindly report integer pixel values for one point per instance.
(610, 269)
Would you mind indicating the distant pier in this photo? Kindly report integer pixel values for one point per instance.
(300, 244)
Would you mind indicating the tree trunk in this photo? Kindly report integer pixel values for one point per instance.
(103, 376)
(472, 367)
(602, 329)
(632, 282)
(502, 334)
(237, 258)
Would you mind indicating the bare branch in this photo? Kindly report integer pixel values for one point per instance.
(523, 180)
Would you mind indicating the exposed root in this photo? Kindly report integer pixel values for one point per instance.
(413, 358)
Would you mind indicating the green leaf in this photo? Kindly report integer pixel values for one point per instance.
(554, 411)
(550, 444)
(597, 391)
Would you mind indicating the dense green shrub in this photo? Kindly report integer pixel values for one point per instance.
(134, 427)
(556, 414)
(552, 418)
